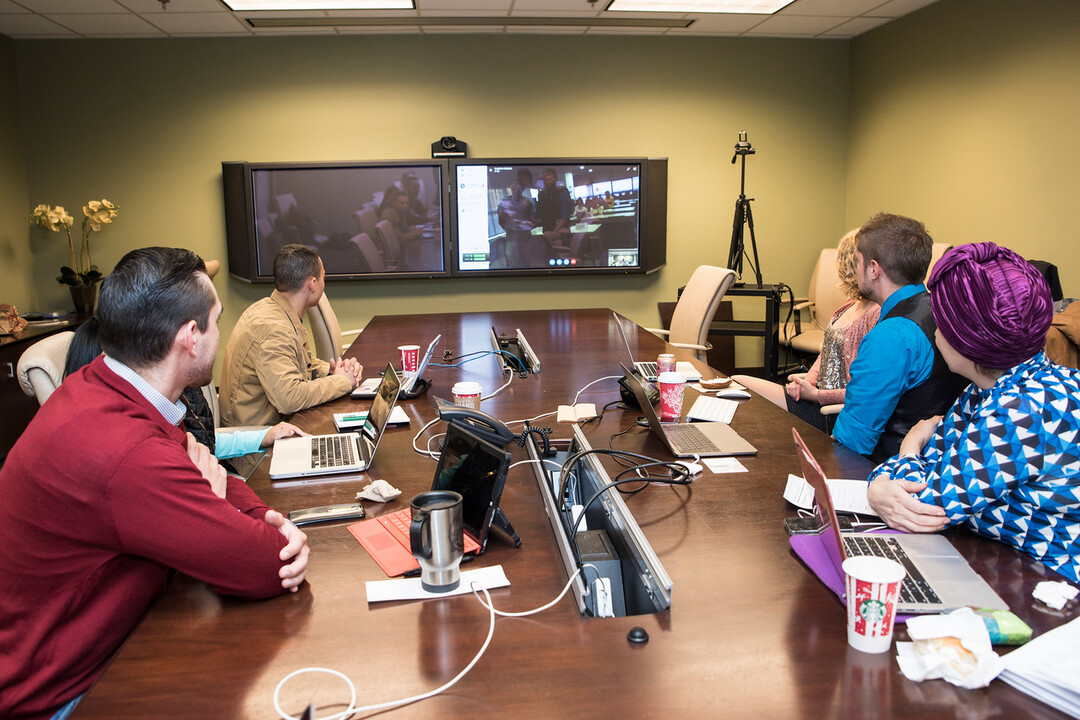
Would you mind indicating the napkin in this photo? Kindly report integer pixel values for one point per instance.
(1054, 593)
(379, 491)
(954, 646)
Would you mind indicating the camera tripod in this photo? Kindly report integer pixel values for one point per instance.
(743, 217)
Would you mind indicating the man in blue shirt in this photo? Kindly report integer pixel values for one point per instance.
(898, 378)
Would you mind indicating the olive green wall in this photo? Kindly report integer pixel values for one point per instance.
(965, 116)
(15, 256)
(961, 114)
(147, 123)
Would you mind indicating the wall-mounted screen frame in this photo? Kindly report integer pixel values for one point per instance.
(367, 220)
(544, 216)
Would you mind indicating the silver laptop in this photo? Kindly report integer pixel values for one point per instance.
(647, 369)
(938, 579)
(409, 384)
(708, 439)
(296, 457)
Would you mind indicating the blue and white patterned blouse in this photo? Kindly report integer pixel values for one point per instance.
(1006, 461)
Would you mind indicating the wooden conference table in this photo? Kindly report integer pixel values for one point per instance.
(750, 632)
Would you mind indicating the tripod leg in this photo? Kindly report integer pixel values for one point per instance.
(735, 251)
(753, 243)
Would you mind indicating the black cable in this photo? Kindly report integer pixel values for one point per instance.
(687, 480)
(573, 460)
(542, 432)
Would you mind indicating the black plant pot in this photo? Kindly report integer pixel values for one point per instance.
(84, 297)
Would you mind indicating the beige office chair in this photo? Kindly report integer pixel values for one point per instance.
(213, 267)
(696, 307)
(365, 221)
(41, 366)
(823, 299)
(326, 331)
(391, 247)
(371, 255)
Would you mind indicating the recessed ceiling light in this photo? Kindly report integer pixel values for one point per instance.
(752, 7)
(240, 5)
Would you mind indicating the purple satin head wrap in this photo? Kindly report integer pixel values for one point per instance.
(991, 305)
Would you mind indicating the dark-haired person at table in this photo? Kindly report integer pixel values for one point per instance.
(103, 493)
(268, 372)
(898, 377)
(198, 418)
(554, 209)
(1005, 459)
(516, 217)
(418, 212)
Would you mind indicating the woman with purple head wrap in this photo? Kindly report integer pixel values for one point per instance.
(1005, 459)
(992, 306)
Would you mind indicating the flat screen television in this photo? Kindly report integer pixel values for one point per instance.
(365, 219)
(558, 216)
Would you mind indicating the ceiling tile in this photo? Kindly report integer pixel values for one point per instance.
(838, 8)
(724, 23)
(855, 27)
(109, 25)
(19, 26)
(198, 23)
(899, 8)
(175, 6)
(484, 7)
(74, 7)
(795, 25)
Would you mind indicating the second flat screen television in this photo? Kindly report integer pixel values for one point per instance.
(550, 216)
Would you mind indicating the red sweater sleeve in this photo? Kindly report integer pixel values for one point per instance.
(163, 509)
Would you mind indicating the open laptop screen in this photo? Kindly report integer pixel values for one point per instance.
(382, 404)
(476, 470)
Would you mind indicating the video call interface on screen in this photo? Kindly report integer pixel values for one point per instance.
(371, 219)
(547, 216)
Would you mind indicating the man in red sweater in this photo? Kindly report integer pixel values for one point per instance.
(103, 493)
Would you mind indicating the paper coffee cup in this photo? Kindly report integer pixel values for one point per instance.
(665, 363)
(671, 385)
(467, 394)
(410, 356)
(873, 587)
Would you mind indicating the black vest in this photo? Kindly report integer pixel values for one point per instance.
(199, 420)
(933, 397)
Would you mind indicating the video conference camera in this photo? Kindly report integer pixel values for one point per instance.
(449, 147)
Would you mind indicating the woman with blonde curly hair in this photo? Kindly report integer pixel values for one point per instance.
(826, 382)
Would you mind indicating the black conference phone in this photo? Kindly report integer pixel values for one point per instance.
(480, 423)
(628, 396)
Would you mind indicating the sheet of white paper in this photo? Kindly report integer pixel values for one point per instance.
(724, 465)
(848, 496)
(409, 588)
(1048, 668)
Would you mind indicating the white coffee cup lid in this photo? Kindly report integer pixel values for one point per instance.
(408, 347)
(870, 568)
(466, 388)
(671, 377)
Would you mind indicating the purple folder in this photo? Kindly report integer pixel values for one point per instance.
(811, 551)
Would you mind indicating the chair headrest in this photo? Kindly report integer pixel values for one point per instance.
(41, 366)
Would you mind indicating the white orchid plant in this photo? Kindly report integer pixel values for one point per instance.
(97, 214)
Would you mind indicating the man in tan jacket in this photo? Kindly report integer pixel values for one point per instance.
(268, 372)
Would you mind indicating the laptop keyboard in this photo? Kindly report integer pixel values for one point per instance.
(689, 439)
(648, 369)
(914, 589)
(332, 451)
